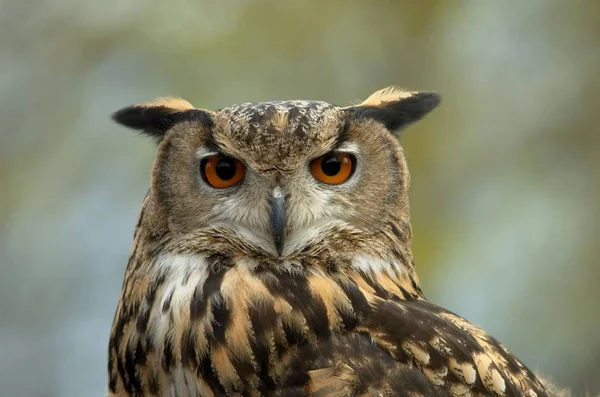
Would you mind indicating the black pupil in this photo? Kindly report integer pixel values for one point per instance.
(225, 169)
(331, 165)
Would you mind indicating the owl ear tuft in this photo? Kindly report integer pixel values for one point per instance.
(156, 117)
(396, 108)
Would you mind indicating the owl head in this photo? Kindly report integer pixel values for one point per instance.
(281, 179)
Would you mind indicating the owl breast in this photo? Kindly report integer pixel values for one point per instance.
(206, 326)
(214, 325)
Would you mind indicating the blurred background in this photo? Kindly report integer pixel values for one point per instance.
(506, 181)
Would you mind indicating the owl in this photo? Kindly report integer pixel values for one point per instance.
(272, 257)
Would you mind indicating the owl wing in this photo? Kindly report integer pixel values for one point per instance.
(415, 348)
(363, 368)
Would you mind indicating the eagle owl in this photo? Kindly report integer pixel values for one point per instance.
(272, 256)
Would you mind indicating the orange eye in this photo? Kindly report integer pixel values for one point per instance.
(333, 168)
(221, 172)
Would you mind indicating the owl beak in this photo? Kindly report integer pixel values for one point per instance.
(278, 219)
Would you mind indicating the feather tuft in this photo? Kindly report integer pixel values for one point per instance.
(387, 95)
(174, 103)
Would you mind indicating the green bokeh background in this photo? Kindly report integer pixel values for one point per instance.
(505, 174)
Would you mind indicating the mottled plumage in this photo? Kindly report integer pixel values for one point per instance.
(282, 284)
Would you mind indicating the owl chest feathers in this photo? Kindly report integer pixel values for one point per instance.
(216, 323)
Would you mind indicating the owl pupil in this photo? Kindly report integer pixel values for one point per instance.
(225, 169)
(331, 165)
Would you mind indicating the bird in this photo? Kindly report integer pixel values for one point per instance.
(273, 257)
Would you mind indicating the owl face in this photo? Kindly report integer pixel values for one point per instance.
(280, 178)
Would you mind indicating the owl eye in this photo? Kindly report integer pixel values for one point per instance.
(333, 168)
(222, 172)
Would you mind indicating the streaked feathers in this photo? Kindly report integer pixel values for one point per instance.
(209, 307)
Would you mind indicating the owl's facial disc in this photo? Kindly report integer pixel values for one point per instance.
(278, 211)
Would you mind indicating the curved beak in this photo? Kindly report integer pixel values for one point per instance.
(278, 219)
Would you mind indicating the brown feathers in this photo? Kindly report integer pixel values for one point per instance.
(156, 117)
(209, 305)
(269, 331)
(396, 108)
